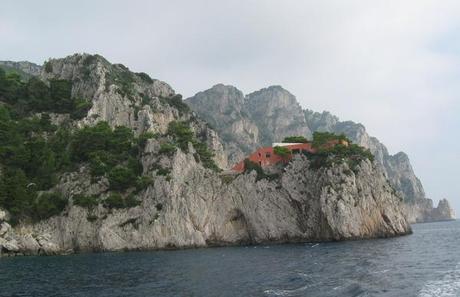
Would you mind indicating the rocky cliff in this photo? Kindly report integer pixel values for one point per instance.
(123, 98)
(273, 113)
(196, 208)
(23, 68)
(179, 198)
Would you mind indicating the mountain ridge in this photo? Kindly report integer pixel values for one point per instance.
(137, 169)
(276, 107)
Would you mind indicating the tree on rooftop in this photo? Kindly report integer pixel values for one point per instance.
(322, 138)
(281, 151)
(295, 139)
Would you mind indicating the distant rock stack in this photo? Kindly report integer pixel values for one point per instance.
(443, 211)
(423, 211)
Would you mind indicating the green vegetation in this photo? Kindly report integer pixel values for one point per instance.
(48, 67)
(121, 178)
(35, 96)
(282, 151)
(23, 75)
(250, 166)
(162, 171)
(182, 135)
(116, 201)
(326, 156)
(145, 77)
(167, 148)
(143, 182)
(176, 102)
(48, 204)
(33, 153)
(295, 139)
(85, 201)
(322, 138)
(142, 140)
(123, 78)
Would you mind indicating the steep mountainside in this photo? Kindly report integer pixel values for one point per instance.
(196, 209)
(277, 114)
(96, 157)
(23, 68)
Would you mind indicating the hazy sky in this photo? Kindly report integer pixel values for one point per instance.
(391, 65)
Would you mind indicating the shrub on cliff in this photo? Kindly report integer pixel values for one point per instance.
(251, 166)
(167, 148)
(85, 201)
(116, 201)
(121, 178)
(182, 135)
(176, 102)
(322, 138)
(326, 156)
(48, 205)
(36, 96)
(295, 139)
(282, 151)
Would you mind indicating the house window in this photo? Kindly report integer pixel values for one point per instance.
(296, 151)
(267, 155)
(260, 155)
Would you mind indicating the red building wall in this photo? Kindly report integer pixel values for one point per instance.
(266, 157)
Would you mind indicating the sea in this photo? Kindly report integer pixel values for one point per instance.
(425, 264)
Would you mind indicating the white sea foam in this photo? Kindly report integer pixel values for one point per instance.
(448, 286)
(290, 292)
(280, 292)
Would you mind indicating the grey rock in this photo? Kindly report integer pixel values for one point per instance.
(201, 208)
(23, 67)
(4, 228)
(139, 103)
(194, 206)
(268, 115)
(4, 215)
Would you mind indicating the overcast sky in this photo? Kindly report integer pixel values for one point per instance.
(391, 65)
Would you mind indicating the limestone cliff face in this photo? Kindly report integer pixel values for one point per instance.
(191, 205)
(277, 114)
(397, 168)
(197, 207)
(274, 113)
(123, 98)
(423, 210)
(223, 108)
(24, 68)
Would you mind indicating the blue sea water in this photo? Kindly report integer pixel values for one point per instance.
(424, 264)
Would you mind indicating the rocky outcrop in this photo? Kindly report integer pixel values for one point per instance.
(27, 69)
(185, 204)
(123, 98)
(223, 108)
(277, 114)
(422, 211)
(273, 113)
(397, 167)
(197, 207)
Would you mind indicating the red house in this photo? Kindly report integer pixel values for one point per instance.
(266, 156)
